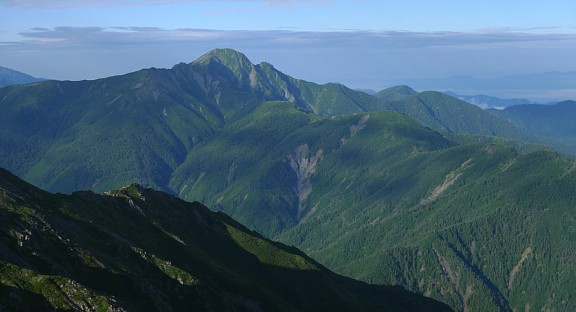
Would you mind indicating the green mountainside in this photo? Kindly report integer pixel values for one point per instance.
(259, 169)
(420, 190)
(136, 249)
(9, 77)
(467, 123)
(53, 132)
(149, 121)
(378, 197)
(494, 234)
(549, 121)
(440, 111)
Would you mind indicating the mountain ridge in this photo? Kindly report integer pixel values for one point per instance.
(486, 101)
(554, 122)
(10, 77)
(399, 191)
(184, 105)
(135, 248)
(539, 87)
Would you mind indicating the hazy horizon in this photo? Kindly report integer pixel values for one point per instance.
(361, 44)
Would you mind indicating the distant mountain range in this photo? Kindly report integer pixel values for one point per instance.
(556, 122)
(481, 100)
(9, 77)
(487, 101)
(417, 189)
(542, 88)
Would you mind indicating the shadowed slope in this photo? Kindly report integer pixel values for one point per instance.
(136, 249)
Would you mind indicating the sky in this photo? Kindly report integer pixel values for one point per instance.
(360, 43)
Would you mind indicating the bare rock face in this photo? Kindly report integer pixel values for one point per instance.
(304, 165)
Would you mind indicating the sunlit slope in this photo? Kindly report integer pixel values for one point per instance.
(101, 134)
(378, 197)
(260, 169)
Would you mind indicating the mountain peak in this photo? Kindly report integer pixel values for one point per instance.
(223, 60)
(396, 93)
(227, 57)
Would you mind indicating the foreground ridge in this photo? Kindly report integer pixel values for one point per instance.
(136, 249)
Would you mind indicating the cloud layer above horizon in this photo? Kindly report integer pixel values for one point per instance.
(350, 42)
(367, 55)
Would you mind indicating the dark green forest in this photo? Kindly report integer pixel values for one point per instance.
(415, 189)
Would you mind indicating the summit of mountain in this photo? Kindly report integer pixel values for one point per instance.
(232, 66)
(433, 109)
(271, 84)
(228, 57)
(233, 60)
(395, 93)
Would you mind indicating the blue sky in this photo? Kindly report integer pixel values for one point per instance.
(361, 43)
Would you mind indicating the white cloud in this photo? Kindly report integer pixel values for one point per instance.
(293, 39)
